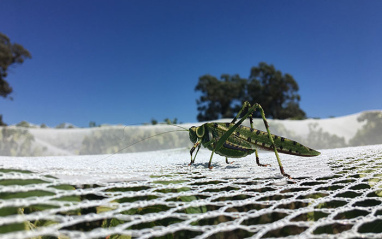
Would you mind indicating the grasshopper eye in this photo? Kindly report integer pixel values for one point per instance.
(200, 131)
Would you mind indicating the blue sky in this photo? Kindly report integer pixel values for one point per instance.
(126, 62)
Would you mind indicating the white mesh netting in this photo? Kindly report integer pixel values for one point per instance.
(157, 195)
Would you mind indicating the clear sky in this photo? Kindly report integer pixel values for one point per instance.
(126, 62)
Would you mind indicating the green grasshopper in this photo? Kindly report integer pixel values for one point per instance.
(233, 140)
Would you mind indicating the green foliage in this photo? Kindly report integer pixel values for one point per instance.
(165, 121)
(168, 121)
(64, 126)
(274, 91)
(220, 98)
(61, 126)
(371, 132)
(23, 124)
(1, 121)
(9, 55)
(154, 121)
(92, 124)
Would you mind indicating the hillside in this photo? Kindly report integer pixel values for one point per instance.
(363, 128)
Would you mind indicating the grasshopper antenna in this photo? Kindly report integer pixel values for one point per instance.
(141, 140)
(184, 129)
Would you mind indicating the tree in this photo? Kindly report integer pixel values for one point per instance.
(23, 124)
(92, 124)
(1, 121)
(371, 131)
(154, 121)
(168, 121)
(9, 54)
(220, 98)
(277, 94)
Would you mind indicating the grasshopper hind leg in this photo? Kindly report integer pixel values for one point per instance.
(252, 109)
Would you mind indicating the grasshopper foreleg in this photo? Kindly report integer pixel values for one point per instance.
(197, 144)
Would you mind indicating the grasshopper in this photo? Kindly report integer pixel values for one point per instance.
(233, 140)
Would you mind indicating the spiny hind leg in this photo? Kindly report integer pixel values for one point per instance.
(270, 138)
(258, 161)
(248, 106)
(251, 123)
(252, 109)
(245, 105)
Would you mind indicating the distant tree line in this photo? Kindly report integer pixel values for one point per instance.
(165, 121)
(274, 91)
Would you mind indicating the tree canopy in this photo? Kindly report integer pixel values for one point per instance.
(10, 53)
(274, 91)
(220, 98)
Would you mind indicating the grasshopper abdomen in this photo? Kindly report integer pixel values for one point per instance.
(244, 140)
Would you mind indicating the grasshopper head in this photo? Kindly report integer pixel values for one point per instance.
(196, 133)
(192, 134)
